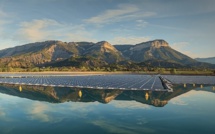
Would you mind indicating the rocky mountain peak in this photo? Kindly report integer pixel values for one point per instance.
(40, 53)
(106, 45)
(150, 44)
(159, 43)
(102, 43)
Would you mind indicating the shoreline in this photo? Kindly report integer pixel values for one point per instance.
(100, 73)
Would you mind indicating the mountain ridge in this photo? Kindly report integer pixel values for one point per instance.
(206, 60)
(154, 50)
(93, 54)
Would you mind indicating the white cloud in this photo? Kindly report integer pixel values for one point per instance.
(123, 13)
(188, 97)
(3, 20)
(6, 43)
(42, 112)
(3, 14)
(180, 46)
(81, 34)
(36, 29)
(183, 47)
(2, 113)
(129, 105)
(113, 128)
(168, 27)
(141, 23)
(178, 101)
(37, 112)
(79, 37)
(194, 92)
(129, 40)
(122, 127)
(47, 29)
(82, 108)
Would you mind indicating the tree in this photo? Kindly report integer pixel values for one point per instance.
(161, 70)
(173, 71)
(108, 69)
(83, 68)
(36, 69)
(4, 69)
(9, 69)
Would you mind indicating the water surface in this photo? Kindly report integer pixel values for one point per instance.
(37, 109)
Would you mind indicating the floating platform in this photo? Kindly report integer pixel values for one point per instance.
(123, 82)
(187, 79)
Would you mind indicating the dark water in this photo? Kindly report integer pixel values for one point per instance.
(31, 109)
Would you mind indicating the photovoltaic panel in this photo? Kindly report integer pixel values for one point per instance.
(124, 82)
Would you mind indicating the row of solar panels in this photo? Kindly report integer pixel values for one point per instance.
(182, 79)
(131, 82)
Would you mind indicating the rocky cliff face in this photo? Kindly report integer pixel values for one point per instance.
(28, 48)
(36, 54)
(40, 53)
(154, 50)
(51, 51)
(150, 44)
(104, 51)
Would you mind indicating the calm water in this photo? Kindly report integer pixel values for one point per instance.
(31, 109)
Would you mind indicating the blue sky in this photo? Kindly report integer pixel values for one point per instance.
(187, 25)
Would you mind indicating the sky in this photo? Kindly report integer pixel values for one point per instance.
(187, 25)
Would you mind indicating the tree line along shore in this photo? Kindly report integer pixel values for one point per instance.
(107, 70)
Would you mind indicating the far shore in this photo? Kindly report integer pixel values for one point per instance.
(66, 73)
(101, 72)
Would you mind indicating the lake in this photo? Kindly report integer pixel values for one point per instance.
(38, 109)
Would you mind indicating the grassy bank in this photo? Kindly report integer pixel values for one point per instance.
(117, 72)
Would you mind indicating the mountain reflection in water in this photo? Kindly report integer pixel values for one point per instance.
(65, 94)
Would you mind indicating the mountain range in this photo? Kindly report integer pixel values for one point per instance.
(58, 53)
(206, 60)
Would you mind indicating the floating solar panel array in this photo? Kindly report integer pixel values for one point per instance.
(36, 75)
(123, 82)
(179, 79)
